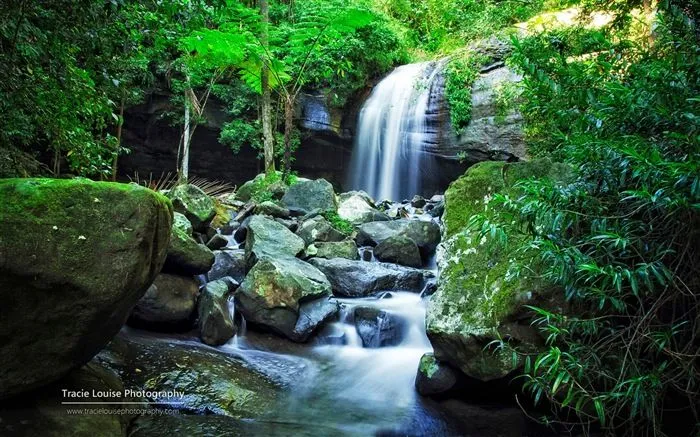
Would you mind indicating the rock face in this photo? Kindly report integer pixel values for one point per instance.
(377, 328)
(194, 204)
(318, 229)
(357, 207)
(185, 256)
(267, 238)
(307, 196)
(215, 320)
(168, 304)
(359, 278)
(276, 292)
(433, 377)
(426, 234)
(399, 249)
(75, 256)
(477, 301)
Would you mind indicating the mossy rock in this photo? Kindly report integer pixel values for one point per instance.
(195, 204)
(186, 256)
(333, 249)
(267, 238)
(75, 256)
(479, 299)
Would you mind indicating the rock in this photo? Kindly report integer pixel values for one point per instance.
(230, 227)
(399, 249)
(194, 204)
(377, 328)
(357, 208)
(434, 377)
(181, 222)
(304, 197)
(245, 192)
(242, 231)
(215, 320)
(267, 238)
(75, 256)
(477, 300)
(228, 263)
(217, 242)
(290, 224)
(186, 256)
(272, 209)
(438, 209)
(277, 292)
(167, 305)
(425, 234)
(417, 201)
(318, 229)
(211, 382)
(334, 249)
(360, 278)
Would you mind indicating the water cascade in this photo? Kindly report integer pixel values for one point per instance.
(397, 125)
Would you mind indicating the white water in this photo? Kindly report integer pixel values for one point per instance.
(388, 160)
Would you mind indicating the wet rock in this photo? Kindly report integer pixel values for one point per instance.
(212, 382)
(272, 209)
(75, 256)
(242, 231)
(357, 207)
(168, 304)
(304, 197)
(267, 238)
(417, 201)
(438, 209)
(399, 249)
(230, 227)
(434, 377)
(186, 256)
(285, 295)
(318, 229)
(194, 204)
(425, 234)
(228, 263)
(215, 320)
(334, 249)
(217, 242)
(360, 278)
(377, 328)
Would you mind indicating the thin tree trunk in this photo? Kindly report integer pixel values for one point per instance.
(185, 165)
(119, 137)
(288, 125)
(268, 137)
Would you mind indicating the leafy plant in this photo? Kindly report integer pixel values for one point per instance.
(339, 223)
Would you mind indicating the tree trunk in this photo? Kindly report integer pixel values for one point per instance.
(119, 137)
(288, 125)
(268, 136)
(185, 165)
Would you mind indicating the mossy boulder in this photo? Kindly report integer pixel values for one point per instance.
(180, 222)
(215, 320)
(318, 228)
(275, 294)
(426, 234)
(194, 204)
(267, 238)
(478, 299)
(272, 209)
(399, 249)
(75, 256)
(333, 249)
(308, 196)
(186, 256)
(434, 377)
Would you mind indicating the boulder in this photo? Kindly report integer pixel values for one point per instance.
(272, 209)
(75, 256)
(426, 234)
(228, 263)
(418, 201)
(186, 256)
(216, 242)
(267, 238)
(377, 328)
(434, 377)
(181, 222)
(318, 228)
(357, 208)
(194, 203)
(334, 249)
(286, 296)
(359, 278)
(307, 196)
(168, 304)
(399, 249)
(477, 300)
(215, 320)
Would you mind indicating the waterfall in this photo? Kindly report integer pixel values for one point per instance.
(396, 126)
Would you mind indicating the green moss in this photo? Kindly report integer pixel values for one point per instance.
(428, 366)
(338, 223)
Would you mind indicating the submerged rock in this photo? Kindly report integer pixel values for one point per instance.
(399, 249)
(75, 256)
(307, 196)
(194, 204)
(215, 321)
(267, 238)
(360, 278)
(168, 304)
(477, 300)
(358, 208)
(278, 294)
(426, 234)
(434, 377)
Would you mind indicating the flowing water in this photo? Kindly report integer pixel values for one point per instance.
(389, 159)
